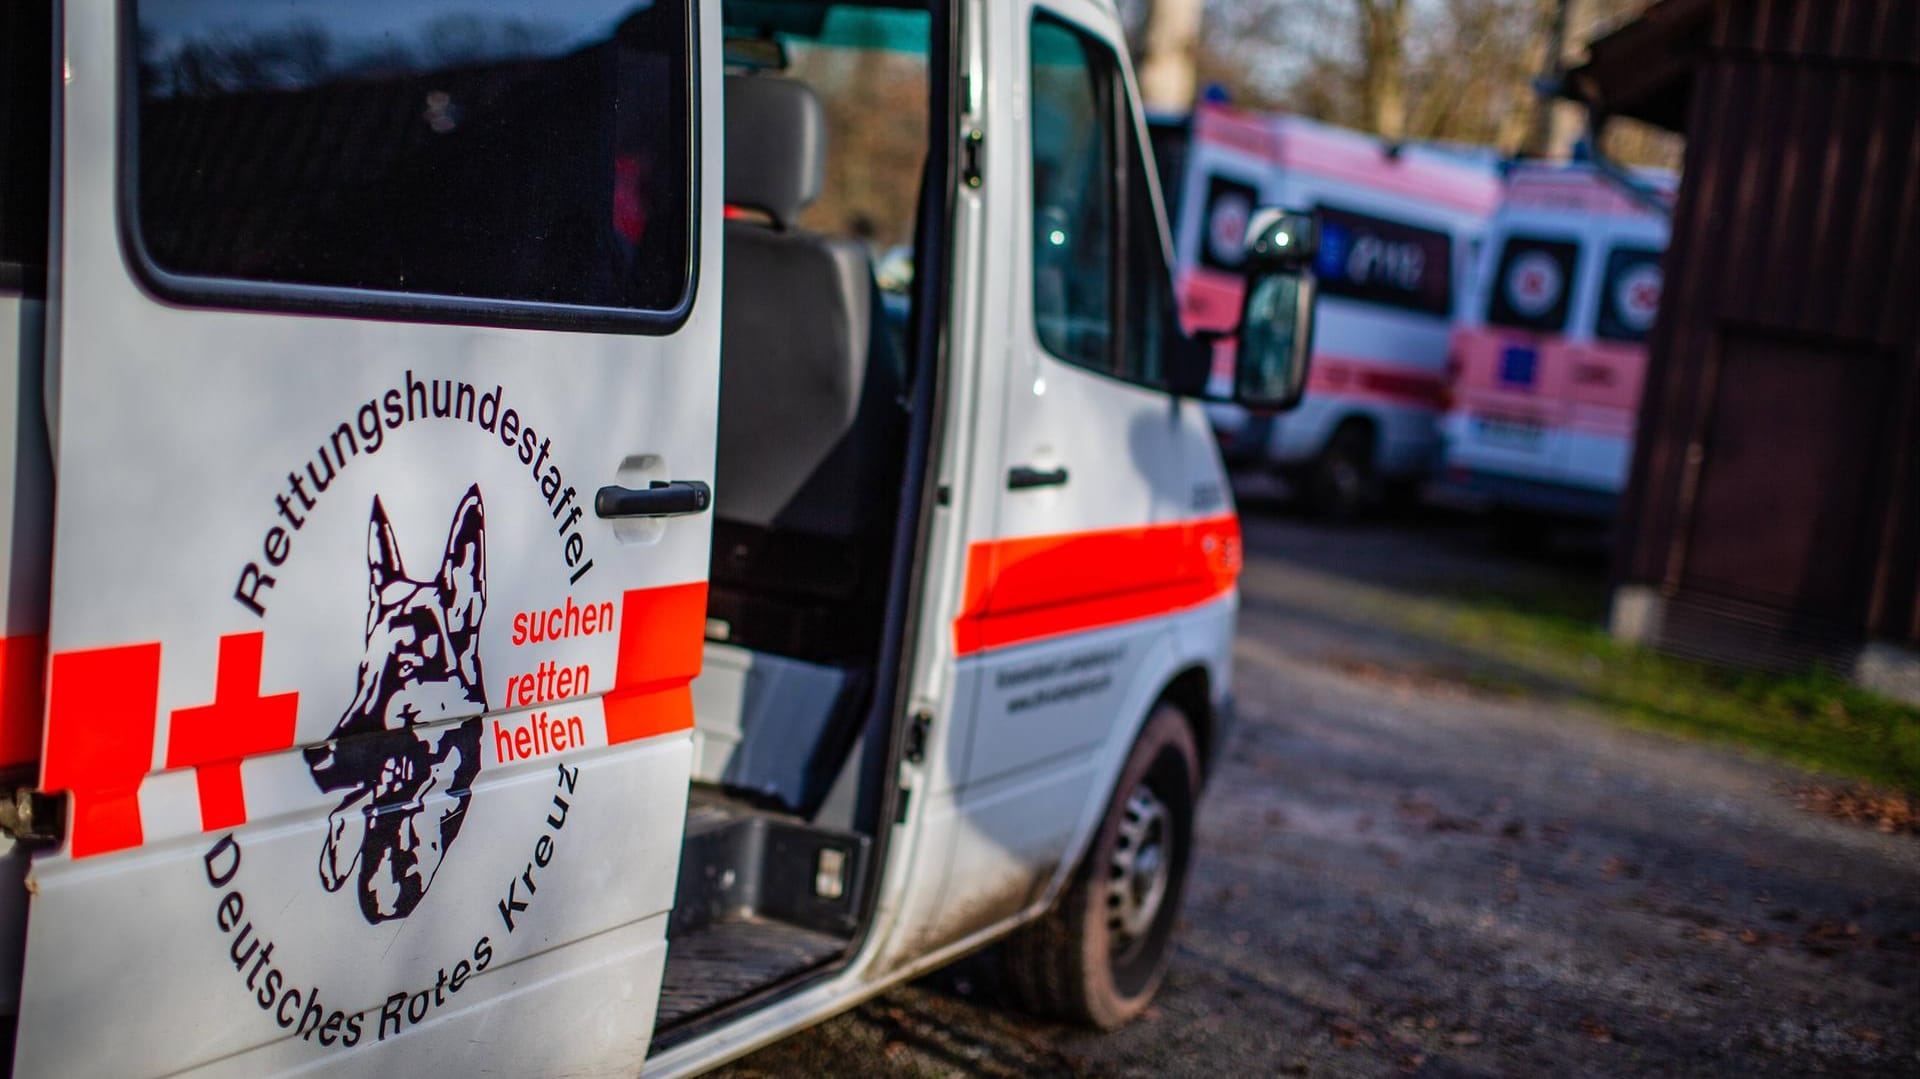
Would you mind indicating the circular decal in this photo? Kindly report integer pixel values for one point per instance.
(1227, 227)
(1636, 296)
(1534, 284)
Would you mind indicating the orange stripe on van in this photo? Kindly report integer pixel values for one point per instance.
(662, 634)
(1027, 589)
(23, 666)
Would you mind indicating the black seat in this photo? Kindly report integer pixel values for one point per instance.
(810, 415)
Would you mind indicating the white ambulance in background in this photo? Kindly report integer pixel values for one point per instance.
(1400, 226)
(493, 588)
(1548, 366)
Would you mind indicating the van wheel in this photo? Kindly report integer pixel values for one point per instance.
(1341, 483)
(1100, 954)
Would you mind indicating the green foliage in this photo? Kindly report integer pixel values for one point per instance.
(1557, 645)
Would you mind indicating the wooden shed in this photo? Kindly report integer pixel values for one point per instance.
(1773, 512)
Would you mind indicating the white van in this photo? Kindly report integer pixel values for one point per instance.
(1547, 367)
(1400, 226)
(492, 584)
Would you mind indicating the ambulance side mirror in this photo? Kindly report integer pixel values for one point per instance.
(1276, 314)
(1275, 331)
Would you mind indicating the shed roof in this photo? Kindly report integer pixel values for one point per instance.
(1644, 69)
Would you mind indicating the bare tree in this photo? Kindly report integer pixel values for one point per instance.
(1382, 29)
(1460, 70)
(1172, 42)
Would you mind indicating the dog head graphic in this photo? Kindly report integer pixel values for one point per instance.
(407, 750)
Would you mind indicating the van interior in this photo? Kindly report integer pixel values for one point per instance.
(827, 118)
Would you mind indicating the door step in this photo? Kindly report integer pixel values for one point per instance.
(762, 896)
(727, 960)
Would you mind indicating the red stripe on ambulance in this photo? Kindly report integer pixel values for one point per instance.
(103, 709)
(101, 706)
(662, 637)
(1027, 589)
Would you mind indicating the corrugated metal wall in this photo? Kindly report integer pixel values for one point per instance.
(1776, 488)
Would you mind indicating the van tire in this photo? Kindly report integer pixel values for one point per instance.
(1341, 482)
(1065, 966)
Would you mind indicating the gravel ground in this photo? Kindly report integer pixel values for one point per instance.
(1401, 876)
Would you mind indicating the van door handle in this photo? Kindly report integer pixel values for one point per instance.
(1022, 477)
(662, 498)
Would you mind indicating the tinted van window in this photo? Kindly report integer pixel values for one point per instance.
(1094, 215)
(1629, 295)
(1073, 196)
(1532, 288)
(1229, 206)
(1386, 262)
(445, 147)
(26, 103)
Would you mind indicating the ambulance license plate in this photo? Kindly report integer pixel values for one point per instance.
(1509, 431)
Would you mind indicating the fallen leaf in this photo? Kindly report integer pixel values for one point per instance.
(1864, 806)
(1596, 1030)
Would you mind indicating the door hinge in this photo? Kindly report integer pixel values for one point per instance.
(34, 817)
(914, 748)
(971, 148)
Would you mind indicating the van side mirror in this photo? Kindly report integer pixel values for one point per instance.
(1276, 314)
(1275, 332)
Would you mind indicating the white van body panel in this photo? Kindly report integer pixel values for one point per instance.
(177, 429)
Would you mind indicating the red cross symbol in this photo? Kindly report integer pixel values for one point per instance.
(239, 723)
